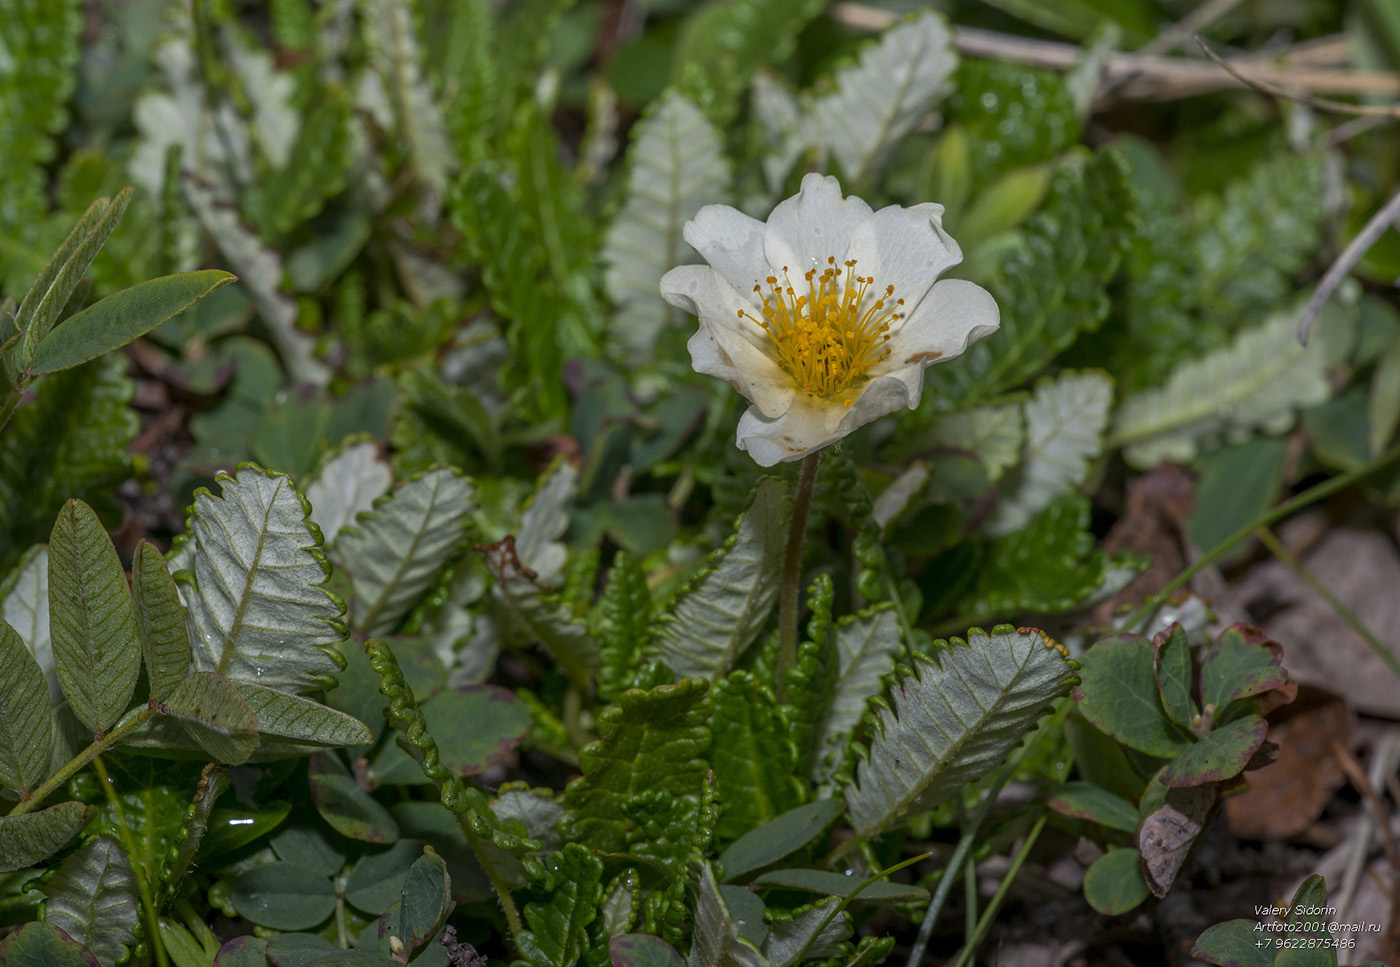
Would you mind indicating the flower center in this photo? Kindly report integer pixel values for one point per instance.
(824, 339)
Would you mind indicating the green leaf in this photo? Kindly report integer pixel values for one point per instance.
(92, 898)
(1118, 694)
(676, 165)
(30, 838)
(654, 741)
(716, 939)
(1257, 383)
(1171, 665)
(376, 881)
(778, 837)
(348, 483)
(1065, 421)
(867, 645)
(1013, 116)
(642, 950)
(1237, 665)
(308, 846)
(812, 931)
(123, 316)
(160, 618)
(300, 722)
(878, 100)
(1236, 484)
(727, 603)
(757, 764)
(24, 604)
(93, 622)
(1051, 287)
(1114, 883)
(257, 611)
(284, 896)
(242, 952)
(425, 906)
(746, 910)
(838, 884)
(1383, 400)
(316, 170)
(216, 716)
(69, 441)
(230, 829)
(623, 626)
(954, 719)
(1084, 800)
(394, 552)
(184, 950)
(44, 945)
(1221, 755)
(350, 810)
(26, 717)
(557, 934)
(1234, 943)
(480, 725)
(992, 434)
(719, 48)
(1005, 204)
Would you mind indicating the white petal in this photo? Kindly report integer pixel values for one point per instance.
(906, 248)
(813, 225)
(726, 346)
(809, 424)
(953, 316)
(732, 243)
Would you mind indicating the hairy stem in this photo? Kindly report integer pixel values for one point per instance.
(108, 741)
(792, 569)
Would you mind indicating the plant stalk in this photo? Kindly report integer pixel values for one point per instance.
(792, 569)
(108, 741)
(969, 948)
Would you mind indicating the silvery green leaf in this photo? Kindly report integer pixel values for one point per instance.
(389, 35)
(393, 552)
(676, 165)
(24, 603)
(93, 899)
(953, 719)
(807, 934)
(878, 100)
(275, 121)
(783, 125)
(715, 941)
(92, 619)
(348, 483)
(726, 605)
(1258, 382)
(992, 433)
(867, 645)
(895, 499)
(257, 611)
(545, 519)
(1065, 421)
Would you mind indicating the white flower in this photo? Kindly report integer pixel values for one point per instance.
(825, 316)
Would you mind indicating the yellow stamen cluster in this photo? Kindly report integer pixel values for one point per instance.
(824, 339)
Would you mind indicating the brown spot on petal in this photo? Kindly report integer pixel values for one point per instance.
(924, 357)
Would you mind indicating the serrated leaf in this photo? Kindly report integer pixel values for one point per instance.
(1237, 665)
(26, 718)
(993, 434)
(676, 165)
(38, 944)
(1051, 286)
(68, 442)
(1065, 420)
(546, 518)
(123, 316)
(954, 719)
(727, 604)
(557, 934)
(756, 766)
(394, 552)
(92, 898)
(867, 645)
(93, 622)
(1258, 382)
(348, 483)
(314, 171)
(30, 838)
(160, 618)
(716, 941)
(257, 611)
(623, 627)
(877, 101)
(215, 716)
(653, 740)
(1013, 116)
(808, 934)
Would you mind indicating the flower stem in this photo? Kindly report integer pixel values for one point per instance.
(792, 569)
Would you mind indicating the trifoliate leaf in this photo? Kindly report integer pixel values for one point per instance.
(954, 718)
(726, 605)
(878, 100)
(1065, 421)
(394, 552)
(676, 165)
(257, 611)
(92, 898)
(1258, 382)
